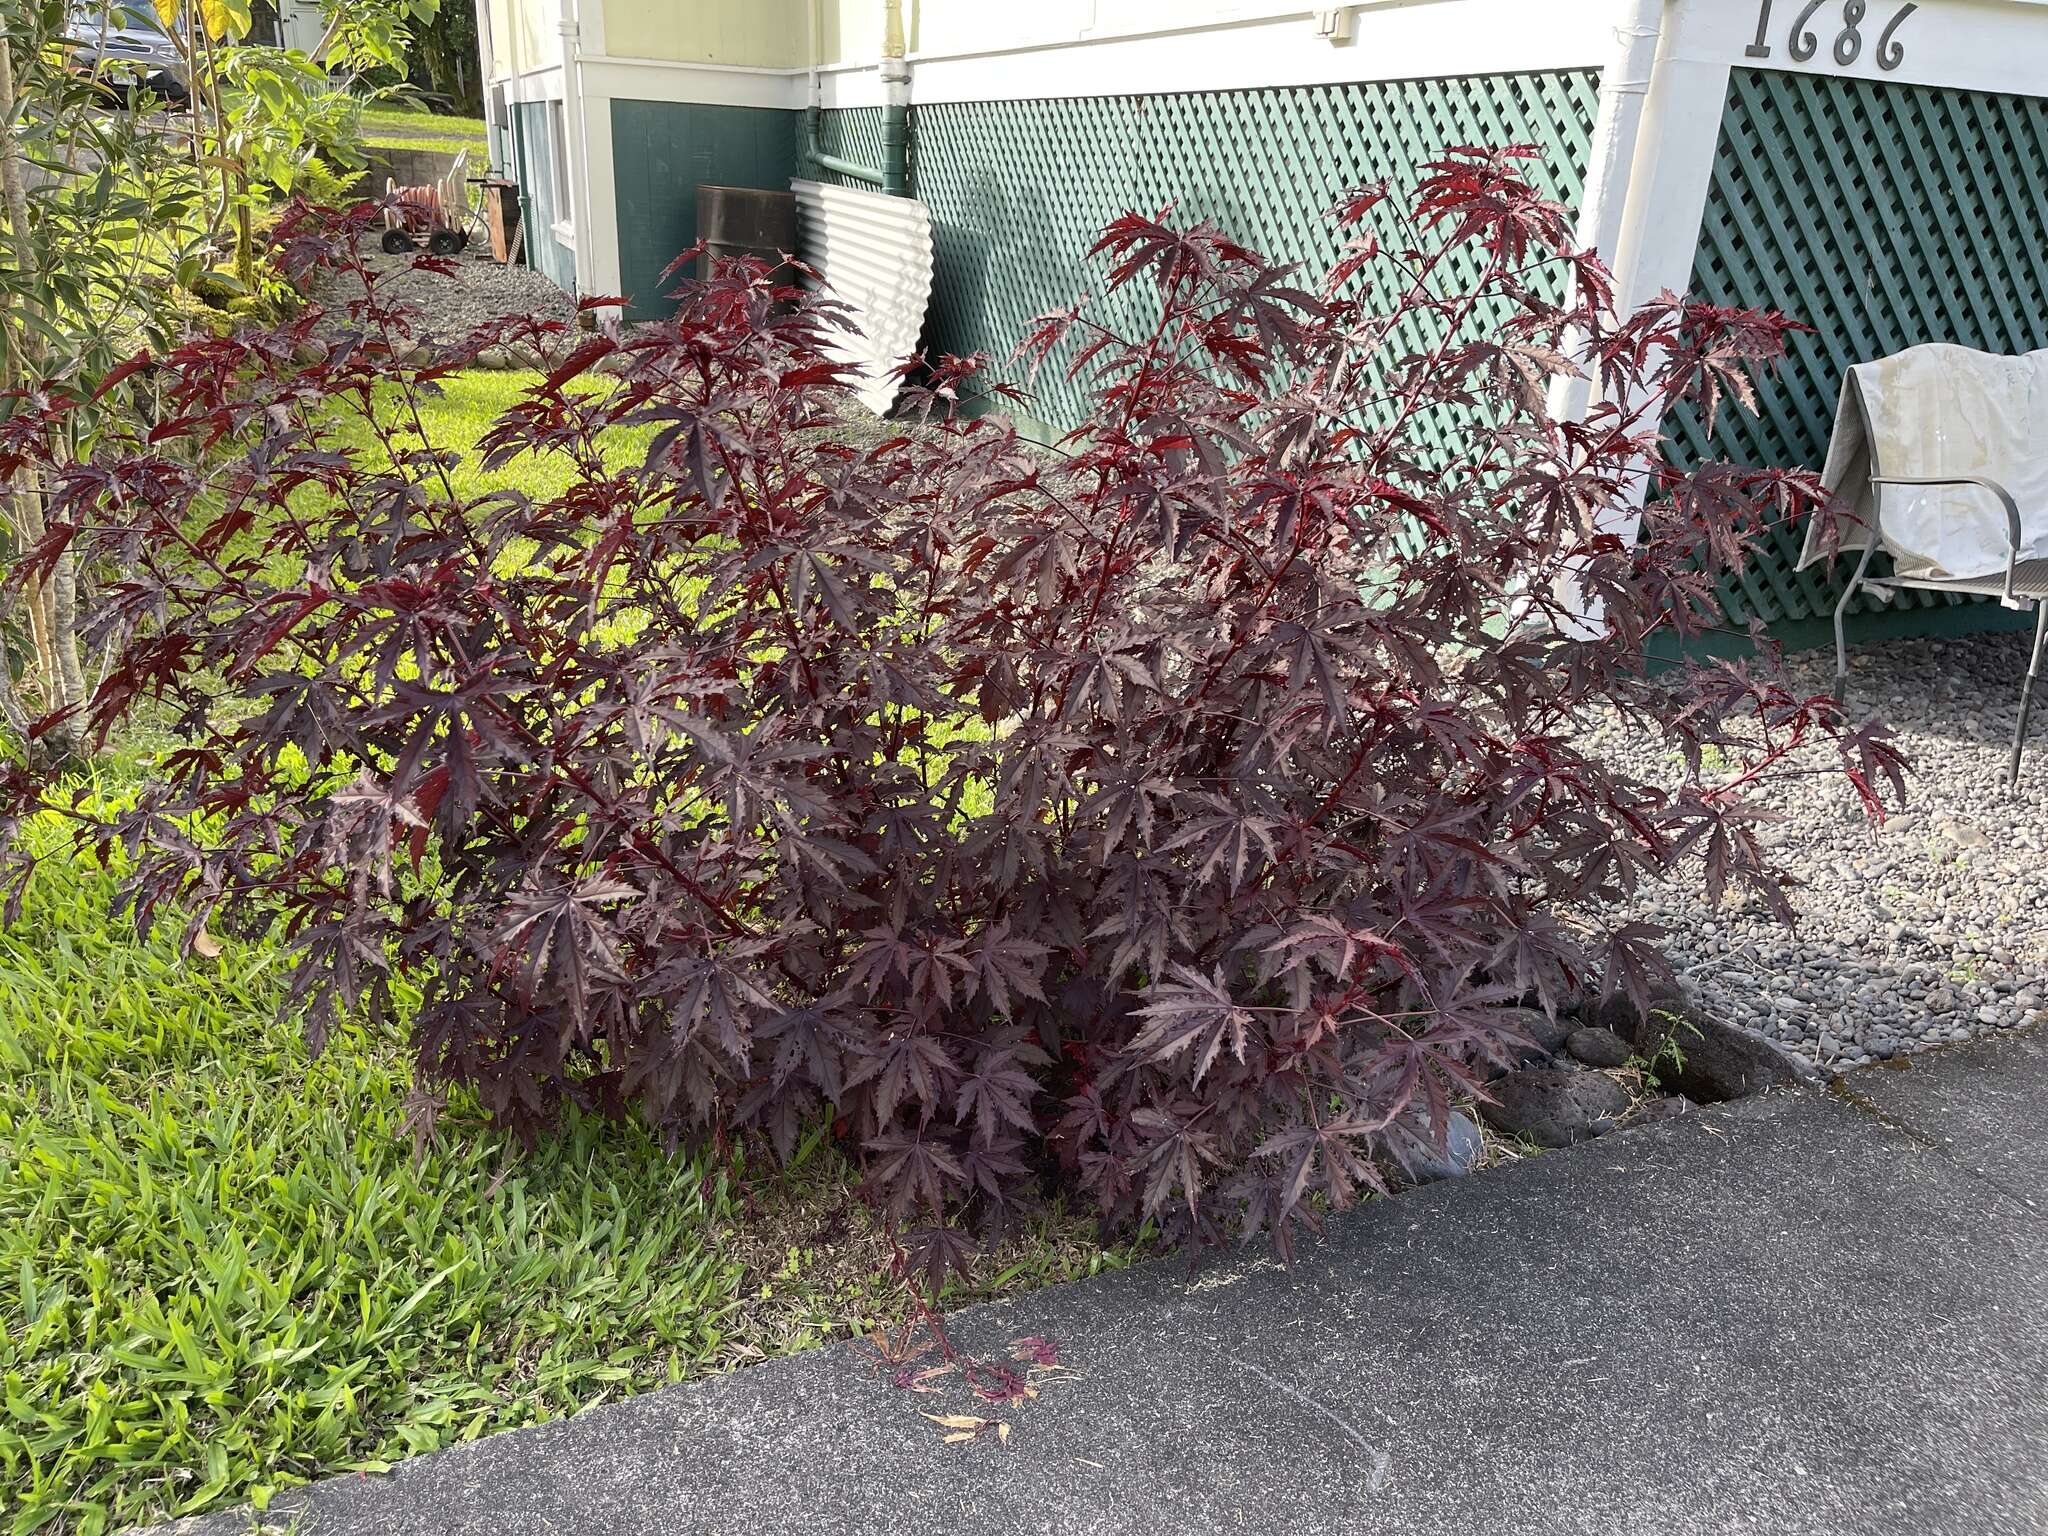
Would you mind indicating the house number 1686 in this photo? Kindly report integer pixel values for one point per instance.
(1803, 42)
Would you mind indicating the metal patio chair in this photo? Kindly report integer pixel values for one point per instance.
(1970, 494)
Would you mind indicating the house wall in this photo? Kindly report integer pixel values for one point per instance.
(977, 50)
(662, 152)
(1019, 190)
(546, 200)
(760, 34)
(1887, 194)
(524, 36)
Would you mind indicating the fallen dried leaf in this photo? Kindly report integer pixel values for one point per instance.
(1036, 1350)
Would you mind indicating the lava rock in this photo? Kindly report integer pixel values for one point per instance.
(1598, 1047)
(1554, 1108)
(1913, 933)
(1620, 1015)
(1546, 1035)
(1714, 1062)
(1462, 1146)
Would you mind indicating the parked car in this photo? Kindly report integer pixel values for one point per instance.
(122, 43)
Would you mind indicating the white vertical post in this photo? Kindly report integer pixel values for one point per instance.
(1610, 160)
(599, 221)
(1656, 228)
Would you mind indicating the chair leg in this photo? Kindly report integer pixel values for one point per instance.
(2019, 735)
(1841, 611)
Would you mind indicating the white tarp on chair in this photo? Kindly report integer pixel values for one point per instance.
(875, 252)
(1944, 410)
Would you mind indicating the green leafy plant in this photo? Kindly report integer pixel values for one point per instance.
(1668, 1059)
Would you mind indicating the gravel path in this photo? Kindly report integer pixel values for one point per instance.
(479, 290)
(1934, 928)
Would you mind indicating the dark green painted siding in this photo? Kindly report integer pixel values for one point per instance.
(1883, 216)
(661, 152)
(544, 202)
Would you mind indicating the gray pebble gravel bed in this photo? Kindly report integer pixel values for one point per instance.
(478, 290)
(1930, 929)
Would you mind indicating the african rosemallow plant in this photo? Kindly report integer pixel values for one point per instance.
(1171, 818)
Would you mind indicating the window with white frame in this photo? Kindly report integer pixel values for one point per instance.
(558, 165)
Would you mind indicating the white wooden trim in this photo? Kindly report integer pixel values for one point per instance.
(1390, 42)
(534, 85)
(1673, 172)
(1654, 232)
(601, 218)
(719, 85)
(1977, 45)
(1991, 45)
(576, 124)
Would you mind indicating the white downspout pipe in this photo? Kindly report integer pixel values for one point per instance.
(579, 160)
(1610, 167)
(1603, 220)
(813, 44)
(487, 67)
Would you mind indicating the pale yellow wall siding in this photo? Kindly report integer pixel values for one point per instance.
(525, 36)
(772, 34)
(966, 26)
(850, 31)
(758, 34)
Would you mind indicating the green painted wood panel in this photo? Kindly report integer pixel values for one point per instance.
(1884, 216)
(661, 152)
(544, 202)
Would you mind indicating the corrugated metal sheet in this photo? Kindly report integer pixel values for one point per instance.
(876, 254)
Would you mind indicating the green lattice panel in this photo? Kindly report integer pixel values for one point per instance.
(1884, 216)
(853, 133)
(1019, 190)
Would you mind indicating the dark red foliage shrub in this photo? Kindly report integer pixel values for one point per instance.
(1171, 816)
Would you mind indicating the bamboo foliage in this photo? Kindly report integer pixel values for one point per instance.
(114, 208)
(52, 607)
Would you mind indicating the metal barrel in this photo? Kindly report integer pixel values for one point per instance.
(744, 221)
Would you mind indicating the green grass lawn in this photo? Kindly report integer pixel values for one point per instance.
(395, 126)
(223, 1271)
(468, 404)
